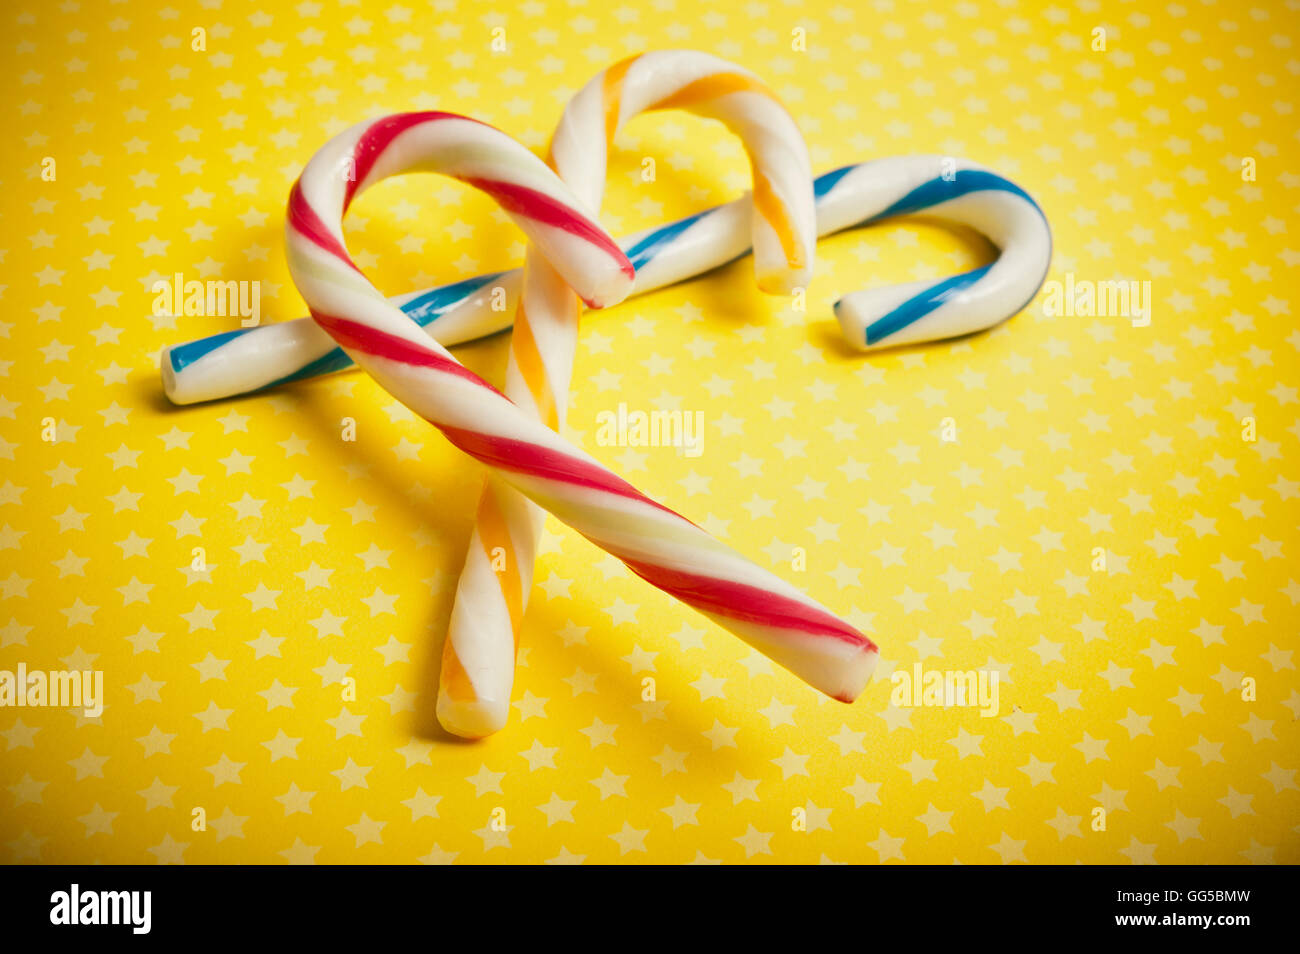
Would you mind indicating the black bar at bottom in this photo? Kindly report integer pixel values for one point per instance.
(215, 904)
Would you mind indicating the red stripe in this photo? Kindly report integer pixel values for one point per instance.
(307, 223)
(734, 600)
(518, 199)
(737, 601)
(534, 460)
(502, 452)
(748, 603)
(724, 598)
(522, 200)
(355, 335)
(378, 137)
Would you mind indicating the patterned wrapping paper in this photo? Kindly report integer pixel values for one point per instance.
(270, 698)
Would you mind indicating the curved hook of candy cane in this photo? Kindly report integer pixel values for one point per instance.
(783, 223)
(657, 544)
(955, 191)
(251, 359)
(477, 154)
(492, 595)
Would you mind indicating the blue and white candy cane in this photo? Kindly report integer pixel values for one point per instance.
(952, 190)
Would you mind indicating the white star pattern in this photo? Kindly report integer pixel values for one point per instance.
(1112, 531)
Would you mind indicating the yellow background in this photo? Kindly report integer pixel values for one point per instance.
(1122, 689)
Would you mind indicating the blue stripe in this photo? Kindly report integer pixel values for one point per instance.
(334, 360)
(184, 355)
(926, 196)
(648, 247)
(433, 303)
(644, 250)
(919, 306)
(939, 190)
(425, 309)
(827, 181)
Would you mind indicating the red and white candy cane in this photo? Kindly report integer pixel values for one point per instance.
(479, 654)
(657, 544)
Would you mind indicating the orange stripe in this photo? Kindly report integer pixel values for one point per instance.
(529, 361)
(612, 93)
(766, 201)
(711, 87)
(493, 533)
(454, 681)
(771, 208)
(612, 97)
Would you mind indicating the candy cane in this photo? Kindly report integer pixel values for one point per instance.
(657, 544)
(250, 359)
(492, 595)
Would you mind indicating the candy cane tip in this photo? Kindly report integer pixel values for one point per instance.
(168, 374)
(472, 718)
(839, 668)
(781, 283)
(610, 291)
(599, 301)
(852, 322)
(854, 677)
(779, 275)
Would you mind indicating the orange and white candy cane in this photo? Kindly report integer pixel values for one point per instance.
(479, 654)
